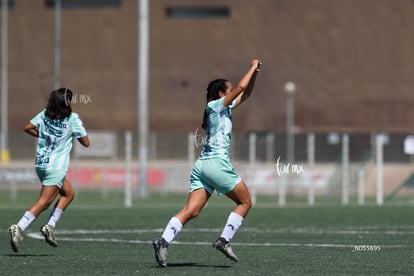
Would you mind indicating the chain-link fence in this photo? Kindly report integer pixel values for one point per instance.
(319, 170)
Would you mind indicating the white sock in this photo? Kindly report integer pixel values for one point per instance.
(233, 223)
(26, 220)
(54, 217)
(172, 229)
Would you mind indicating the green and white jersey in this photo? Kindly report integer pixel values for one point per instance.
(218, 132)
(55, 140)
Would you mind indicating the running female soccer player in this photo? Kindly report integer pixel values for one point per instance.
(55, 127)
(213, 170)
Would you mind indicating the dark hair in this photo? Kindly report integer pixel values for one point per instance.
(58, 106)
(213, 89)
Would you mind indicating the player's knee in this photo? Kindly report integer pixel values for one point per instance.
(43, 204)
(194, 213)
(71, 196)
(248, 203)
(68, 194)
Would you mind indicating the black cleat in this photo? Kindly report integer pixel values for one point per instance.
(160, 249)
(224, 247)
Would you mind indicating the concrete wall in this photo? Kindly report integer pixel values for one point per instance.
(351, 61)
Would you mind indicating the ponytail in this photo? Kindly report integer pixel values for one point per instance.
(204, 124)
(213, 90)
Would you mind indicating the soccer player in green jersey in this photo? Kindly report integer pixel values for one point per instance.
(55, 127)
(213, 170)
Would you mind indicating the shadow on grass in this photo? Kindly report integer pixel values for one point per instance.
(197, 265)
(17, 255)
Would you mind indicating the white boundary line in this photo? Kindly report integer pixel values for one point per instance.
(36, 235)
(310, 230)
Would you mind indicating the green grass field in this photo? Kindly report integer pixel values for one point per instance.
(97, 236)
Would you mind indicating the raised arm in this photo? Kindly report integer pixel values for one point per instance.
(249, 89)
(242, 84)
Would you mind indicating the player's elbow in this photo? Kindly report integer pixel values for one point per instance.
(241, 88)
(84, 141)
